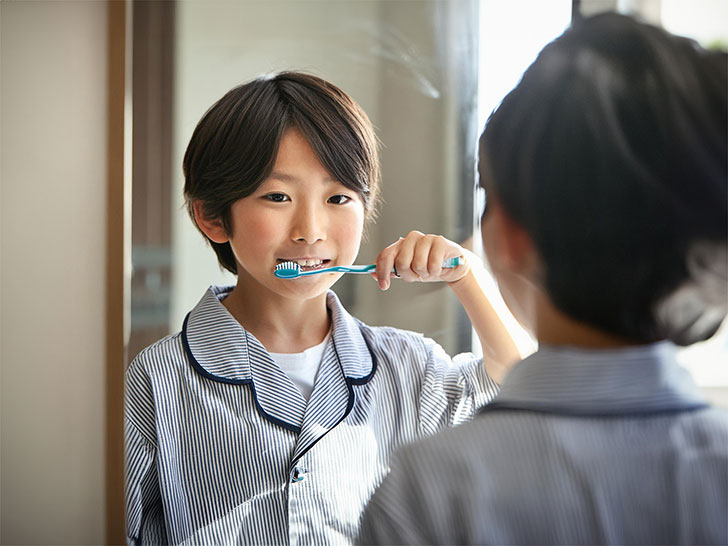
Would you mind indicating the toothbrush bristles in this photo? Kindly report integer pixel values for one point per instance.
(287, 265)
(287, 270)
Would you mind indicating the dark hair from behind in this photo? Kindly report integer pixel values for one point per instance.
(612, 153)
(234, 146)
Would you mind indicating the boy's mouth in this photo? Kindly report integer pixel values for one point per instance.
(307, 264)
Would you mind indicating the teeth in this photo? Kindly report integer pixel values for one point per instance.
(309, 263)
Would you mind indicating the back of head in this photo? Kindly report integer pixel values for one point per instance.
(612, 153)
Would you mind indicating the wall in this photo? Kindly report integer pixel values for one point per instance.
(53, 178)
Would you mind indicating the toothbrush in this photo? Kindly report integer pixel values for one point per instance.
(291, 270)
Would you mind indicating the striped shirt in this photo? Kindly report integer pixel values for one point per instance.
(579, 447)
(222, 448)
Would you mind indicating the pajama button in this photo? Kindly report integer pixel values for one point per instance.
(297, 477)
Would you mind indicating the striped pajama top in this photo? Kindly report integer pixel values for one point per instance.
(222, 448)
(579, 447)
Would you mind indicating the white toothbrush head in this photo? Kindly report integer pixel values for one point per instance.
(287, 270)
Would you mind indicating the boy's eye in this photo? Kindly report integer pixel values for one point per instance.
(276, 197)
(339, 199)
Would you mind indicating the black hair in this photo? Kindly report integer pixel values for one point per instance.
(234, 146)
(612, 153)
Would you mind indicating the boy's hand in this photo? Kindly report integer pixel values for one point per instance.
(419, 257)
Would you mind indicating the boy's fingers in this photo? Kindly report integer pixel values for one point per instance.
(438, 253)
(384, 263)
(403, 259)
(379, 274)
(420, 257)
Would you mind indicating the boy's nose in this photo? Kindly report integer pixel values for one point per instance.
(309, 225)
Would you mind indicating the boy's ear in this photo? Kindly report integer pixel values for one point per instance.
(214, 229)
(517, 252)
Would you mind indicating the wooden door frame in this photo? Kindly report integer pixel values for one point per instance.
(117, 259)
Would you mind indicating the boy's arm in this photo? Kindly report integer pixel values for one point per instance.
(500, 352)
(418, 258)
(145, 523)
(144, 511)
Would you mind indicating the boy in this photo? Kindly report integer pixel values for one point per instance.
(269, 419)
(606, 222)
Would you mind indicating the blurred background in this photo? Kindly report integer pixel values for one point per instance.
(99, 259)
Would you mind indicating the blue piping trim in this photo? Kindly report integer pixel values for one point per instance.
(204, 373)
(367, 378)
(349, 382)
(566, 412)
(198, 367)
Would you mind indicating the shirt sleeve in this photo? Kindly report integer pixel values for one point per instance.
(144, 510)
(144, 513)
(453, 388)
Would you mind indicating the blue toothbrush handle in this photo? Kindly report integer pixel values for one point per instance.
(366, 269)
(359, 269)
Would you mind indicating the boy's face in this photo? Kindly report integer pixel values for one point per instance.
(298, 214)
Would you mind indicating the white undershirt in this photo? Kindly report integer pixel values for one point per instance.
(302, 367)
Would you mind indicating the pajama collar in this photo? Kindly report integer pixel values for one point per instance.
(220, 349)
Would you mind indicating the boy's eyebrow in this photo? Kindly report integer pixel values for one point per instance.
(285, 177)
(282, 176)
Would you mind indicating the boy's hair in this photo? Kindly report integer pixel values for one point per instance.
(611, 153)
(234, 146)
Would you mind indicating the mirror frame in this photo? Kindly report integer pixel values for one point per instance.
(117, 251)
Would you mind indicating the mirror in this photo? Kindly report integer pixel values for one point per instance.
(426, 72)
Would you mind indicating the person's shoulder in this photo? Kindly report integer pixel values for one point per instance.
(160, 353)
(707, 427)
(389, 334)
(716, 415)
(396, 344)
